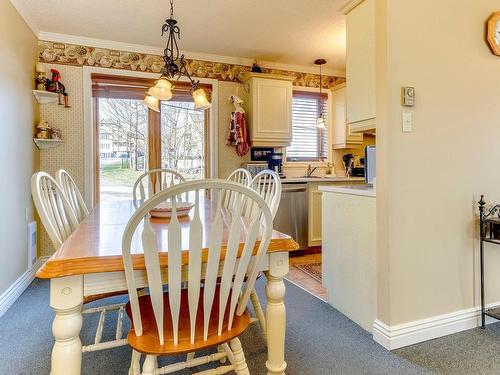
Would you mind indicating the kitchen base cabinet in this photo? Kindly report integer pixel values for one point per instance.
(314, 216)
(315, 207)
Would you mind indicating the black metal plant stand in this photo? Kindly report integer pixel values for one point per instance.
(489, 227)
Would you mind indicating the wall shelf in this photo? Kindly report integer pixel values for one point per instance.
(45, 97)
(45, 144)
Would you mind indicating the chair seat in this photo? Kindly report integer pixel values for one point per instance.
(149, 342)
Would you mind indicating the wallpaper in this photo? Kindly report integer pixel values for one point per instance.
(69, 59)
(228, 159)
(69, 155)
(71, 54)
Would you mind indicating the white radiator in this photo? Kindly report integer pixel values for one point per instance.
(31, 244)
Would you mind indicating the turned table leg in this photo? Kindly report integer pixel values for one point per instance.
(276, 313)
(66, 299)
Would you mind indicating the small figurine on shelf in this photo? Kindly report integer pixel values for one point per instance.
(55, 85)
(56, 133)
(41, 79)
(256, 68)
(43, 130)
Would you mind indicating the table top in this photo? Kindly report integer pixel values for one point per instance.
(96, 245)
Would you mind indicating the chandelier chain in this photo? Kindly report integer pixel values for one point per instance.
(175, 67)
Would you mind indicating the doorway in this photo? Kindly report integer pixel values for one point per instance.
(130, 138)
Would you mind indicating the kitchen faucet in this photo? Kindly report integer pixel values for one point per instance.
(310, 170)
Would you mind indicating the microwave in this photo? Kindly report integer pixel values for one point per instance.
(370, 164)
(255, 167)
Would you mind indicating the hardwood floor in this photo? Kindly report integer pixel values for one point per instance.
(304, 280)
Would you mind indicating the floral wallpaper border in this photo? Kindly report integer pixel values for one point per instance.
(71, 54)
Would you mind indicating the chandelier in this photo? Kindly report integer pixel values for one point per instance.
(175, 68)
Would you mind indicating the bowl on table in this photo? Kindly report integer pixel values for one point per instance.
(164, 210)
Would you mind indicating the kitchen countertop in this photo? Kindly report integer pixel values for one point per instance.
(361, 189)
(321, 179)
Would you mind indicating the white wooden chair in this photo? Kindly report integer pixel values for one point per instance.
(154, 181)
(59, 220)
(206, 314)
(240, 176)
(73, 194)
(53, 207)
(267, 184)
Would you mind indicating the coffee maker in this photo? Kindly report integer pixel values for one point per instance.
(275, 163)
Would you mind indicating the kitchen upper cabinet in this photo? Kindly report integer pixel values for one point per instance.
(269, 109)
(360, 65)
(342, 137)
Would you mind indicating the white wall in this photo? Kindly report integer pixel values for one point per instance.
(18, 49)
(428, 181)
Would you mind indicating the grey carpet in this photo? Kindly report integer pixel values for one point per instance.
(475, 351)
(320, 340)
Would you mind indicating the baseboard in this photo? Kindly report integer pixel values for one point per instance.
(10, 296)
(401, 335)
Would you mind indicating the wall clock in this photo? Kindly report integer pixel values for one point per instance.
(493, 35)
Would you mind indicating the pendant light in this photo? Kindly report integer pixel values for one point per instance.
(320, 122)
(175, 67)
(152, 103)
(200, 99)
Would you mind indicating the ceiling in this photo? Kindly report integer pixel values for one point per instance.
(282, 31)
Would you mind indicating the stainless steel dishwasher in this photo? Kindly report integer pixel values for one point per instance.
(291, 217)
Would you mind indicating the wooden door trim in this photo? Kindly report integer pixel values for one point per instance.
(95, 109)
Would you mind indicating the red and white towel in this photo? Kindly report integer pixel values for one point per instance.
(238, 134)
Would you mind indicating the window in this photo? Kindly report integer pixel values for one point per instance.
(121, 122)
(183, 136)
(130, 138)
(308, 142)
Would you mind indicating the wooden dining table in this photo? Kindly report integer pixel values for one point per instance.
(90, 263)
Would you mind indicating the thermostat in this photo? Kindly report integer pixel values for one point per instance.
(408, 96)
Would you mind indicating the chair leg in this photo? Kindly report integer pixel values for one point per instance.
(221, 349)
(150, 365)
(240, 364)
(135, 367)
(259, 312)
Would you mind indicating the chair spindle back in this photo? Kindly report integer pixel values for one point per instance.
(205, 259)
(73, 194)
(241, 176)
(153, 181)
(53, 207)
(267, 184)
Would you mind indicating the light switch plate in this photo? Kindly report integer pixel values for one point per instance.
(407, 122)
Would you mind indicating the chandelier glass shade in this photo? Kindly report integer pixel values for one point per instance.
(174, 68)
(200, 99)
(152, 103)
(162, 90)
